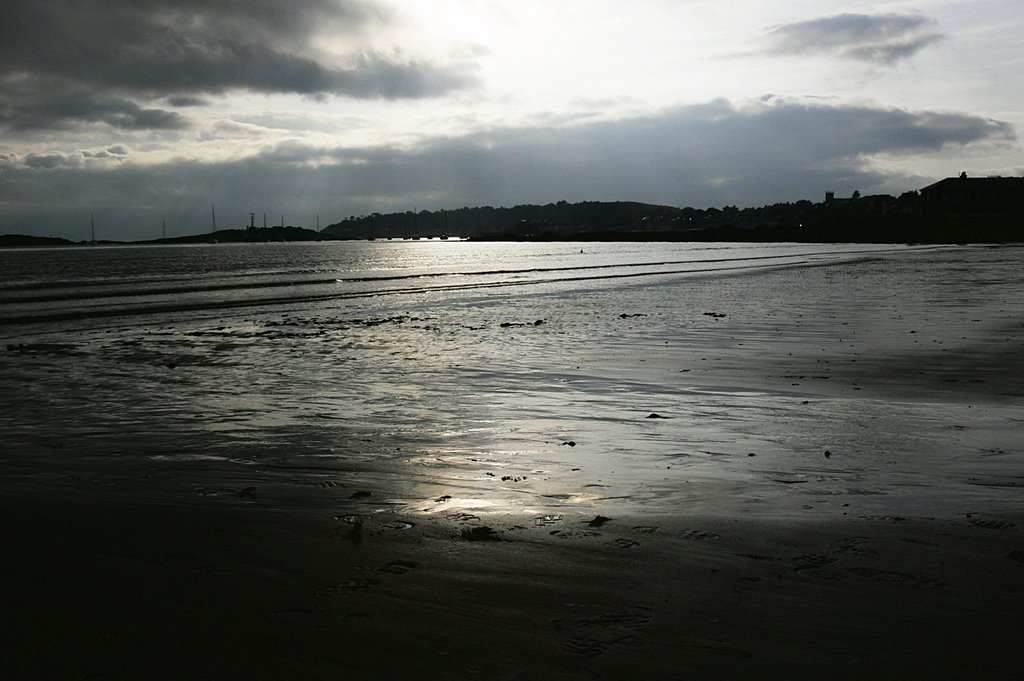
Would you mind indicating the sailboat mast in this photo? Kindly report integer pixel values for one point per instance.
(92, 228)
(213, 218)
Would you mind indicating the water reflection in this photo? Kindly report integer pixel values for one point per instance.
(457, 401)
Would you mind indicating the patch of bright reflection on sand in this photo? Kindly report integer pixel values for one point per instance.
(456, 504)
(584, 498)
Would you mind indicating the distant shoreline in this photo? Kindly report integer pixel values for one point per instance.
(1001, 232)
(870, 219)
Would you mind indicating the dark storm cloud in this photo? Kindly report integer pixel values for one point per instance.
(709, 155)
(184, 49)
(882, 39)
(49, 103)
(183, 101)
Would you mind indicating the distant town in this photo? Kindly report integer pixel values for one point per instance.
(954, 210)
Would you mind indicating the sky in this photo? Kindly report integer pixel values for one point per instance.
(147, 114)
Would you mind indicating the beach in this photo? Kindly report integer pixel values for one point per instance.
(805, 465)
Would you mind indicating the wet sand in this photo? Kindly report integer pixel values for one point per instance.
(779, 486)
(110, 590)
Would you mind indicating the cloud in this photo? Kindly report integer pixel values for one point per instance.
(183, 101)
(881, 39)
(712, 154)
(183, 50)
(49, 161)
(116, 152)
(52, 160)
(708, 154)
(52, 104)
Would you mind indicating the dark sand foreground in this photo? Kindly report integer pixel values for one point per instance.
(111, 591)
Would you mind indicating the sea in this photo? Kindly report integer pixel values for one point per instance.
(141, 282)
(448, 376)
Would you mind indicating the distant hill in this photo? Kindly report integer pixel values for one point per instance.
(925, 217)
(251, 234)
(23, 240)
(524, 220)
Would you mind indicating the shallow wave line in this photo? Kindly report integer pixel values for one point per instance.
(262, 302)
(169, 290)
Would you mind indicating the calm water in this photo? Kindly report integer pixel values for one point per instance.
(424, 370)
(51, 284)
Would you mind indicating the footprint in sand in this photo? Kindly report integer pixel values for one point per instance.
(854, 546)
(399, 567)
(546, 520)
(645, 529)
(698, 534)
(817, 565)
(398, 525)
(624, 543)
